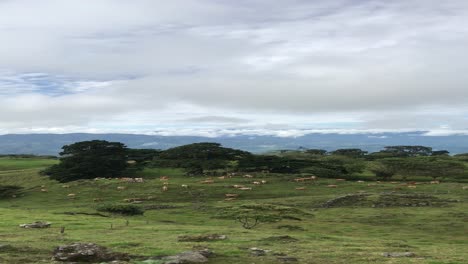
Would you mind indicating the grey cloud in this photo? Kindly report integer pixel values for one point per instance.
(386, 63)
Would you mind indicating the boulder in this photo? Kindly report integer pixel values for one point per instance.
(188, 257)
(37, 224)
(87, 252)
(398, 254)
(258, 251)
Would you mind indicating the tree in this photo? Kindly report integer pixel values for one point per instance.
(88, 160)
(318, 152)
(434, 167)
(198, 158)
(351, 152)
(440, 153)
(408, 151)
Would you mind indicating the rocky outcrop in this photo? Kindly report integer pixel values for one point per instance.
(198, 256)
(36, 224)
(87, 252)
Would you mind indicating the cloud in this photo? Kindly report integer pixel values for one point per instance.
(202, 66)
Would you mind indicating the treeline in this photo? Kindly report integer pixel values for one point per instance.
(91, 159)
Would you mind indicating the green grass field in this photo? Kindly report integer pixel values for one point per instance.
(349, 234)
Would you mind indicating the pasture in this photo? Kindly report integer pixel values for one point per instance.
(435, 229)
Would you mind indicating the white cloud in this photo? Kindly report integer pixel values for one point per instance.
(279, 69)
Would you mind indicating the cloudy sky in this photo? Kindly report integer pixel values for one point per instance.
(217, 67)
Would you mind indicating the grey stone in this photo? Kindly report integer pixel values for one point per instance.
(37, 224)
(87, 252)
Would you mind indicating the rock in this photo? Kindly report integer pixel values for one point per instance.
(201, 238)
(258, 251)
(398, 254)
(188, 257)
(287, 259)
(87, 252)
(36, 224)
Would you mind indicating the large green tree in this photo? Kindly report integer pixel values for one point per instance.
(199, 158)
(88, 160)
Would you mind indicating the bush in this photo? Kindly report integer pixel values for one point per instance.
(123, 209)
(7, 191)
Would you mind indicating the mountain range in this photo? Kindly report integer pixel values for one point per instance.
(50, 144)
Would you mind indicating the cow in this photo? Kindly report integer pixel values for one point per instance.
(207, 181)
(256, 183)
(231, 195)
(300, 188)
(332, 186)
(120, 188)
(71, 195)
(164, 188)
(245, 188)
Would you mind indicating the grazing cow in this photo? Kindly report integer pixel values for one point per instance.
(332, 186)
(340, 179)
(222, 177)
(230, 199)
(360, 181)
(263, 181)
(71, 195)
(256, 183)
(371, 185)
(65, 186)
(248, 176)
(184, 186)
(300, 188)
(44, 190)
(237, 186)
(163, 178)
(164, 188)
(465, 188)
(435, 182)
(231, 195)
(245, 189)
(207, 182)
(412, 186)
(120, 188)
(97, 200)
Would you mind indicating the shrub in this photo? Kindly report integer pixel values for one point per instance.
(7, 191)
(123, 209)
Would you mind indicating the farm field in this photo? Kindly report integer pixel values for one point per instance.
(308, 224)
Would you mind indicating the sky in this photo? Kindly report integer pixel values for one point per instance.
(222, 67)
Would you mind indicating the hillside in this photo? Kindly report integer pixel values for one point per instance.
(311, 224)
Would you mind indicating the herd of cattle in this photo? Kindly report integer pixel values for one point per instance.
(232, 196)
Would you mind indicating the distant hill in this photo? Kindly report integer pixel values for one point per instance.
(50, 144)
